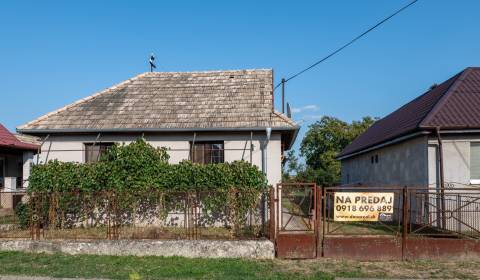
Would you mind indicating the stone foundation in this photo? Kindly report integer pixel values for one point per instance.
(257, 249)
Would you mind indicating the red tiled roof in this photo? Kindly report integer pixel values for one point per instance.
(454, 104)
(7, 139)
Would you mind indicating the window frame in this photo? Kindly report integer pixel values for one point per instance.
(213, 142)
(95, 144)
(2, 178)
(473, 181)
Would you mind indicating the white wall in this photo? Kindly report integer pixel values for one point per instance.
(71, 147)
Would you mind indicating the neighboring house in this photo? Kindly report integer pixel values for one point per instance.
(208, 117)
(16, 156)
(403, 148)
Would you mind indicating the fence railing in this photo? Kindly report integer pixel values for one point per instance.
(390, 226)
(453, 212)
(149, 214)
(417, 211)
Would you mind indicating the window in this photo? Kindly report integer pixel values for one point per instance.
(93, 151)
(2, 173)
(475, 163)
(207, 152)
(19, 175)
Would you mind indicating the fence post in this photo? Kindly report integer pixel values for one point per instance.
(271, 226)
(405, 223)
(35, 218)
(318, 220)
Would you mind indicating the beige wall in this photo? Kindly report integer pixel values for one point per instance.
(70, 147)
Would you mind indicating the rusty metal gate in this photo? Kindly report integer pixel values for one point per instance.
(297, 223)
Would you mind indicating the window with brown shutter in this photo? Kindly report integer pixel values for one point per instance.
(205, 152)
(93, 151)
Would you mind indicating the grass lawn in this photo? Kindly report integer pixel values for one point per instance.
(135, 268)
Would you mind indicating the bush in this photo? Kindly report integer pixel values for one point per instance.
(22, 211)
(136, 177)
(139, 166)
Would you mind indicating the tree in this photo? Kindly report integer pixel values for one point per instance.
(322, 143)
(291, 167)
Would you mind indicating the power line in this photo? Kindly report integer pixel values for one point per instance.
(347, 44)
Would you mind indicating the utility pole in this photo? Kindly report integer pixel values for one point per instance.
(283, 95)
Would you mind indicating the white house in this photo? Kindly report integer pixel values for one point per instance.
(16, 155)
(208, 117)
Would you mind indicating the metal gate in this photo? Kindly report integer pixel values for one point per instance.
(297, 220)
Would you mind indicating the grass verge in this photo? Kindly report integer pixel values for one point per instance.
(139, 268)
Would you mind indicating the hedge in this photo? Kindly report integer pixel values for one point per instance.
(139, 175)
(139, 166)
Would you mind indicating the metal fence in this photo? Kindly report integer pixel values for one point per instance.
(149, 214)
(453, 212)
(417, 212)
(296, 207)
(391, 225)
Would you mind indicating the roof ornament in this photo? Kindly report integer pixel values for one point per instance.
(152, 62)
(289, 111)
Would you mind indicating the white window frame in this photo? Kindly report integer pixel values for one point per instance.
(477, 180)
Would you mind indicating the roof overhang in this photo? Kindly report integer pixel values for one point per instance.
(289, 130)
(21, 147)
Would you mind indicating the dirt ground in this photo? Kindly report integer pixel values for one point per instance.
(467, 269)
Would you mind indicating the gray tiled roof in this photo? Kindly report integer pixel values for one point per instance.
(174, 100)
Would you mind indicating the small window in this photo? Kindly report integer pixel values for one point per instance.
(207, 152)
(475, 163)
(376, 158)
(93, 151)
(19, 175)
(371, 159)
(2, 173)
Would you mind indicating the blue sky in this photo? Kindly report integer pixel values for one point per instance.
(53, 53)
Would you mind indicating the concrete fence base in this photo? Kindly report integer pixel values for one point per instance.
(257, 249)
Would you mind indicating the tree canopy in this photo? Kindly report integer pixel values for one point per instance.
(320, 146)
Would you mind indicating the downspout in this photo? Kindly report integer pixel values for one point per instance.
(268, 131)
(442, 177)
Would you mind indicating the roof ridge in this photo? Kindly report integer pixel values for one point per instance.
(208, 71)
(83, 100)
(461, 76)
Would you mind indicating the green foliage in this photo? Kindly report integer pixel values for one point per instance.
(22, 211)
(324, 140)
(139, 166)
(134, 182)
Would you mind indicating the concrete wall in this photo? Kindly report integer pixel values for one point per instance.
(405, 163)
(258, 249)
(237, 147)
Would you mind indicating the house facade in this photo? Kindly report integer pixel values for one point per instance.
(409, 146)
(206, 117)
(16, 157)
